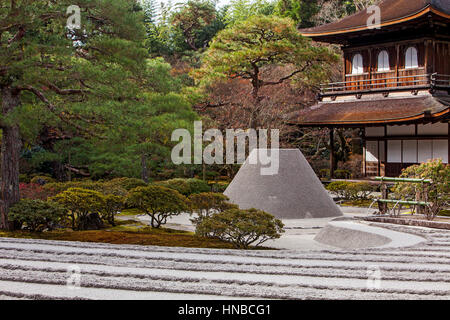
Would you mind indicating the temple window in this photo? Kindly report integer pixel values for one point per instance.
(383, 61)
(357, 64)
(411, 59)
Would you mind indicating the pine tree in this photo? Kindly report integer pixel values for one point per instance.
(79, 74)
(150, 11)
(144, 131)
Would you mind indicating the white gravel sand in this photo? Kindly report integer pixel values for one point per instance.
(37, 269)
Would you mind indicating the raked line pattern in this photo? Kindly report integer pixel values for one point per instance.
(38, 269)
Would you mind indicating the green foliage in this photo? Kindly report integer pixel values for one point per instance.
(38, 52)
(444, 213)
(80, 203)
(160, 78)
(116, 187)
(206, 203)
(58, 187)
(141, 137)
(177, 184)
(186, 186)
(24, 178)
(324, 173)
(112, 205)
(342, 174)
(124, 183)
(218, 186)
(340, 189)
(437, 193)
(158, 202)
(42, 180)
(70, 78)
(241, 10)
(192, 18)
(241, 227)
(351, 190)
(245, 48)
(184, 30)
(301, 11)
(37, 215)
(149, 8)
(197, 186)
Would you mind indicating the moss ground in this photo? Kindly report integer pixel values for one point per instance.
(127, 232)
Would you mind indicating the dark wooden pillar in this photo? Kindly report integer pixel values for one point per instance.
(332, 152)
(364, 143)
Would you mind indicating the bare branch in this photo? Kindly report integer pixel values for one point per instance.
(65, 91)
(270, 83)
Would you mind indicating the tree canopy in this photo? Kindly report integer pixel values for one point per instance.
(244, 50)
(94, 88)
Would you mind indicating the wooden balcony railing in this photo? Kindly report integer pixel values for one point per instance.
(385, 82)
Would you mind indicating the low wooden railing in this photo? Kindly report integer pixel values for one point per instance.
(420, 203)
(383, 82)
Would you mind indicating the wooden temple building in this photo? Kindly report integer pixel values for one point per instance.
(396, 84)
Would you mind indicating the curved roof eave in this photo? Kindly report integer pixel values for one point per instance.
(354, 23)
(411, 119)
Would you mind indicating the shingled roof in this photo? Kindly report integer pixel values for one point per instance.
(392, 12)
(374, 111)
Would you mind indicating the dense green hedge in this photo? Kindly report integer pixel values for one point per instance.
(186, 186)
(351, 190)
(37, 215)
(158, 202)
(86, 205)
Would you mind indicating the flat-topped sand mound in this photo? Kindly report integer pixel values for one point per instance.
(294, 192)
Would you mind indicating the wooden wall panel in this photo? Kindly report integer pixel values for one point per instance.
(433, 56)
(442, 63)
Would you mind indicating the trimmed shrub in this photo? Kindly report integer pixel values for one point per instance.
(59, 187)
(206, 203)
(42, 180)
(113, 205)
(103, 187)
(34, 191)
(125, 183)
(437, 193)
(158, 202)
(36, 215)
(351, 190)
(186, 186)
(362, 190)
(24, 178)
(198, 186)
(177, 184)
(339, 189)
(324, 173)
(444, 213)
(342, 174)
(81, 203)
(218, 186)
(241, 227)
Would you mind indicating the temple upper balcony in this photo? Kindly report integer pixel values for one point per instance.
(404, 80)
(408, 49)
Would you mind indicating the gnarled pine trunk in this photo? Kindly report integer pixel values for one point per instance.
(144, 168)
(10, 152)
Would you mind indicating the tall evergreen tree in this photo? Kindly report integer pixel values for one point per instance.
(142, 132)
(150, 11)
(191, 18)
(301, 11)
(80, 74)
